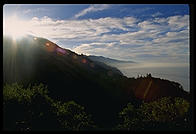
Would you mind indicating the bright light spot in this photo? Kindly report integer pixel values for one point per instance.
(47, 44)
(84, 61)
(15, 27)
(60, 51)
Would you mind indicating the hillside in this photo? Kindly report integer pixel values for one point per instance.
(147, 88)
(102, 89)
(108, 61)
(150, 88)
(69, 76)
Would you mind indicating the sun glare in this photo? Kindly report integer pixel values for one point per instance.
(14, 27)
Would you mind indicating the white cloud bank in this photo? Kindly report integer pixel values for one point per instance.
(128, 38)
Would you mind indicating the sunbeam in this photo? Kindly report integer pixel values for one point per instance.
(15, 27)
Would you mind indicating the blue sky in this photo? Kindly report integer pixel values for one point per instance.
(144, 33)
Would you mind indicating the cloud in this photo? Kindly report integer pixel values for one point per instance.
(178, 22)
(92, 8)
(129, 38)
(27, 11)
(35, 10)
(157, 14)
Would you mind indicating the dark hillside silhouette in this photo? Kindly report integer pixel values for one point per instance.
(150, 88)
(69, 76)
(101, 89)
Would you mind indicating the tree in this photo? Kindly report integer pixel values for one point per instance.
(32, 109)
(72, 116)
(164, 114)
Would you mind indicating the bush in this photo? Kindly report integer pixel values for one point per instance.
(72, 116)
(32, 109)
(164, 114)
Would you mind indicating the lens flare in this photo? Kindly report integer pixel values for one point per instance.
(15, 27)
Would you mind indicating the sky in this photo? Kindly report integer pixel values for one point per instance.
(141, 33)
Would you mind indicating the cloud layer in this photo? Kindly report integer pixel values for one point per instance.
(157, 39)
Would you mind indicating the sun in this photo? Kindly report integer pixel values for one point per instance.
(14, 27)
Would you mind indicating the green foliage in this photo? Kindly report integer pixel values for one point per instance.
(165, 109)
(72, 116)
(163, 114)
(129, 116)
(32, 109)
(19, 93)
(181, 105)
(161, 110)
(24, 106)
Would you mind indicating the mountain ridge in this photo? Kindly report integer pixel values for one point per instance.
(107, 60)
(69, 76)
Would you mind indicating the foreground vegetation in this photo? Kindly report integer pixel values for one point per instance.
(30, 108)
(164, 114)
(33, 109)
